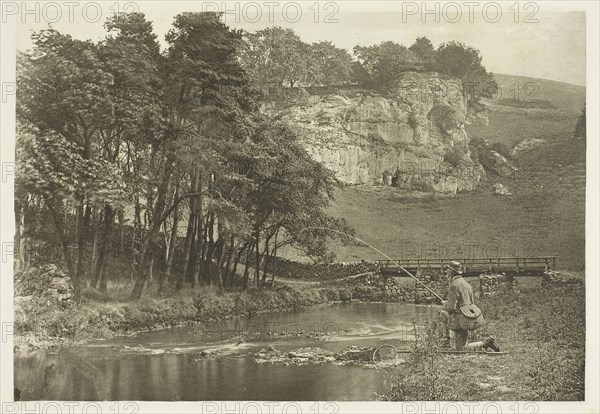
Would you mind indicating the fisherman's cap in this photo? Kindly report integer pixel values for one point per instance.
(456, 266)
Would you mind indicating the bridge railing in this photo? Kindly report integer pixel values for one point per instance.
(475, 265)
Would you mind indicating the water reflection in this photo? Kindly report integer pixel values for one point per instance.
(164, 365)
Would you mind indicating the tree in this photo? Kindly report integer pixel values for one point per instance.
(131, 54)
(173, 134)
(425, 51)
(289, 196)
(333, 65)
(382, 64)
(275, 56)
(206, 96)
(52, 167)
(464, 62)
(63, 101)
(96, 105)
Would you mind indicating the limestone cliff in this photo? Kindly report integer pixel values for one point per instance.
(412, 138)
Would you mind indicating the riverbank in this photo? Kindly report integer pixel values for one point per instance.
(42, 323)
(542, 332)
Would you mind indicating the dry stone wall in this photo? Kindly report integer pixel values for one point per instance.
(436, 282)
(552, 279)
(494, 284)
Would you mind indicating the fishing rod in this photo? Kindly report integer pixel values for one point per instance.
(381, 253)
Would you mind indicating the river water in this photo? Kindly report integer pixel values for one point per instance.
(168, 365)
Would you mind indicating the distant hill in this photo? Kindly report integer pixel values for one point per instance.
(523, 89)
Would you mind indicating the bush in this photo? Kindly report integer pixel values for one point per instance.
(332, 294)
(345, 295)
(455, 156)
(213, 305)
(367, 293)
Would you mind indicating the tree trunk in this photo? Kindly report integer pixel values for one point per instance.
(137, 223)
(221, 255)
(57, 219)
(153, 235)
(236, 261)
(198, 253)
(103, 248)
(93, 263)
(84, 220)
(274, 254)
(121, 218)
(189, 236)
(227, 279)
(210, 249)
(141, 275)
(187, 251)
(247, 267)
(200, 236)
(19, 239)
(172, 243)
(257, 259)
(266, 262)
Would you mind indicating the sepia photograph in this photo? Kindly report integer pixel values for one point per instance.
(314, 207)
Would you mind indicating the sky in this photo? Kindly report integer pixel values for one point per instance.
(535, 39)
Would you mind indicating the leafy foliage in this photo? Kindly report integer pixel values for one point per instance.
(382, 64)
(168, 133)
(424, 49)
(274, 56)
(51, 166)
(464, 62)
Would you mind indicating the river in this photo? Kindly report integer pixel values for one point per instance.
(168, 365)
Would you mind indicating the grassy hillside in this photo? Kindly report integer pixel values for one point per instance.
(545, 215)
(511, 125)
(561, 95)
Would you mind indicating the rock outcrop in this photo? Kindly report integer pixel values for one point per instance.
(498, 164)
(501, 190)
(413, 137)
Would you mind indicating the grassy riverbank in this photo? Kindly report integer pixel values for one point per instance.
(543, 333)
(541, 329)
(39, 322)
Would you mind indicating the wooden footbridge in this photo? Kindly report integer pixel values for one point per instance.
(524, 266)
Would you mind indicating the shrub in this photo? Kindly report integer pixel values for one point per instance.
(363, 292)
(455, 156)
(332, 294)
(213, 305)
(345, 295)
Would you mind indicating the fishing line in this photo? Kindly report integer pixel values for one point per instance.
(381, 253)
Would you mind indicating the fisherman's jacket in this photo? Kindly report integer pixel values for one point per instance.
(460, 294)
